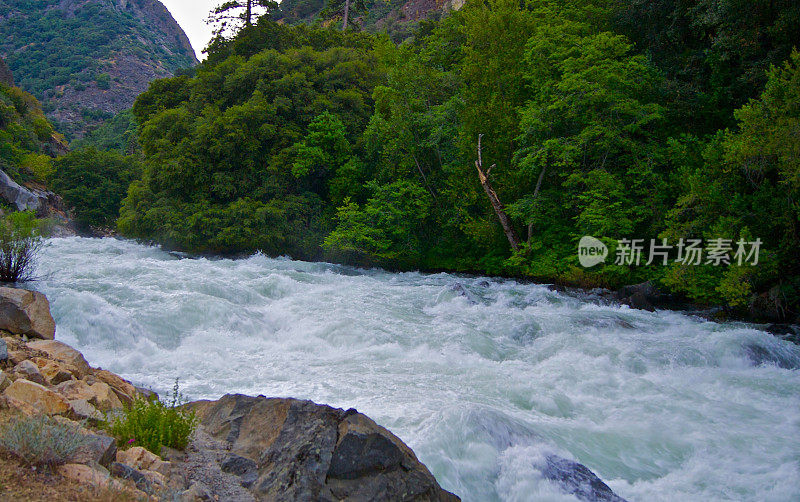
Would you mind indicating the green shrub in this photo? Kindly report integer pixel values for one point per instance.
(20, 242)
(41, 441)
(153, 424)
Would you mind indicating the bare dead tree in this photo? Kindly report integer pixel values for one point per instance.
(535, 197)
(346, 14)
(499, 209)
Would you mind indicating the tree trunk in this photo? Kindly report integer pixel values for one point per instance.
(249, 14)
(505, 222)
(535, 196)
(346, 14)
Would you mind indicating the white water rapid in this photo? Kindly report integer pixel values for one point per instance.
(662, 406)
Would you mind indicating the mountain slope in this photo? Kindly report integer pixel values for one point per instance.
(87, 60)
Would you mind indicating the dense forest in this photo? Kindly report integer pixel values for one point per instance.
(618, 119)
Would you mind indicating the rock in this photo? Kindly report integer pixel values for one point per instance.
(576, 479)
(99, 449)
(81, 409)
(38, 396)
(90, 475)
(29, 371)
(147, 394)
(5, 382)
(759, 355)
(98, 394)
(198, 492)
(53, 371)
(124, 390)
(18, 196)
(644, 296)
(462, 290)
(138, 458)
(64, 353)
(24, 312)
(788, 332)
(104, 398)
(127, 472)
(156, 479)
(306, 451)
(18, 406)
(245, 468)
(3, 351)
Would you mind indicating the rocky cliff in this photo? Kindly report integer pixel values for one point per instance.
(87, 60)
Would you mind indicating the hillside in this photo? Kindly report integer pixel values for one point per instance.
(87, 60)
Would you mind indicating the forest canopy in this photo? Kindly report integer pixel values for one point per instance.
(619, 119)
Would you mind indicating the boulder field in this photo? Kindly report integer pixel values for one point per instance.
(244, 449)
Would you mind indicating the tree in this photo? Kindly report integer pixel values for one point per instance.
(237, 13)
(344, 8)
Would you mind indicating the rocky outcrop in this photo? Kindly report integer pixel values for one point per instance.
(577, 480)
(306, 451)
(18, 196)
(24, 312)
(139, 41)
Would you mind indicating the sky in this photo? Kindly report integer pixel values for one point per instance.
(192, 15)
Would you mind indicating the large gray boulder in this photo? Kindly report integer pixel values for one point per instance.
(24, 312)
(306, 451)
(19, 196)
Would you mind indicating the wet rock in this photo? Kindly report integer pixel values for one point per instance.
(644, 296)
(306, 451)
(64, 353)
(38, 396)
(245, 468)
(788, 332)
(759, 355)
(577, 480)
(462, 290)
(127, 472)
(24, 312)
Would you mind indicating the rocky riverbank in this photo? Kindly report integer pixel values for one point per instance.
(245, 448)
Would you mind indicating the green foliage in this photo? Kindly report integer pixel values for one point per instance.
(94, 182)
(26, 137)
(48, 47)
(347, 146)
(20, 242)
(153, 424)
(387, 229)
(41, 441)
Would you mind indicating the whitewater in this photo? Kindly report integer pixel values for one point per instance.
(481, 377)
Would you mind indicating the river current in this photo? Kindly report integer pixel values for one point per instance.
(481, 377)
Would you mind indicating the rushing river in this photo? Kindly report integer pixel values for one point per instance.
(479, 382)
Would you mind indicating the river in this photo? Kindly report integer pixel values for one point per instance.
(481, 377)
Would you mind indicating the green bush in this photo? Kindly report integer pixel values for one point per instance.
(41, 441)
(20, 241)
(153, 424)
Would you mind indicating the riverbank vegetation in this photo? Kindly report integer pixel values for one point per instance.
(618, 119)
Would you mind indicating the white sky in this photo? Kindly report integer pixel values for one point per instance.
(192, 15)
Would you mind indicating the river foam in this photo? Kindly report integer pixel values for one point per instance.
(481, 377)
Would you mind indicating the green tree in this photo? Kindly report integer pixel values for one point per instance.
(93, 182)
